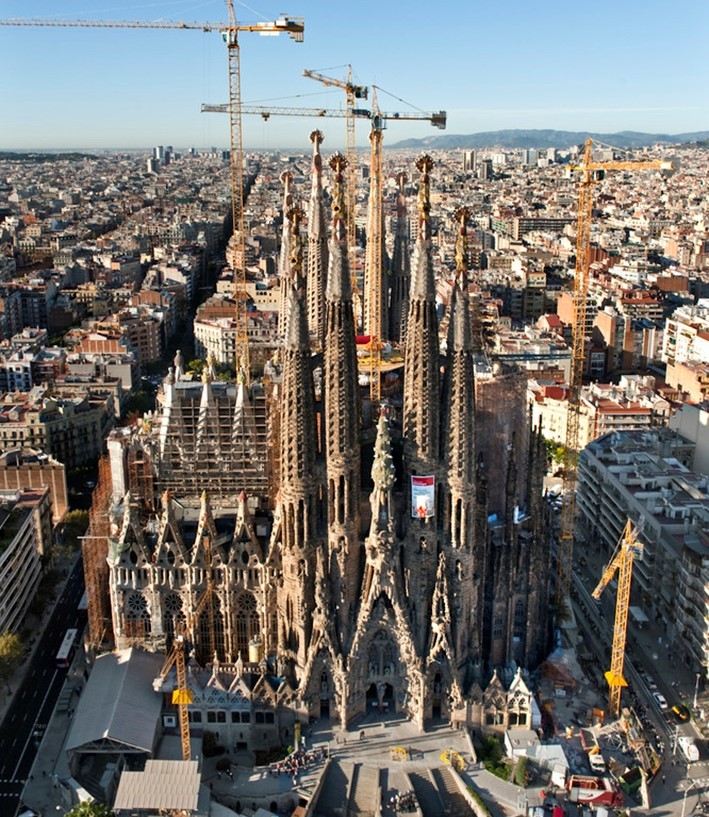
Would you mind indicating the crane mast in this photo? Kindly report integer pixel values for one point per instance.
(373, 288)
(352, 92)
(236, 166)
(591, 173)
(230, 30)
(628, 549)
(374, 261)
(182, 695)
(295, 28)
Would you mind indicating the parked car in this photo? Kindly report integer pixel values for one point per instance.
(660, 700)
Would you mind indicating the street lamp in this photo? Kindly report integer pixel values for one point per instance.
(686, 792)
(696, 690)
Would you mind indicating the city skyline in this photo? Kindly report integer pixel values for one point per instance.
(511, 66)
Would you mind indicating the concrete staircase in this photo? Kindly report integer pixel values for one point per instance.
(334, 793)
(427, 795)
(455, 804)
(365, 792)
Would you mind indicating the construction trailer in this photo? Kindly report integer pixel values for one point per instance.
(594, 791)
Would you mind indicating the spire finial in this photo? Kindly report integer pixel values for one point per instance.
(424, 164)
(317, 138)
(287, 179)
(383, 470)
(339, 217)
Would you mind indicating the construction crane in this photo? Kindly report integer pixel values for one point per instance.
(374, 259)
(374, 319)
(181, 695)
(352, 92)
(436, 118)
(295, 28)
(627, 550)
(379, 120)
(591, 173)
(230, 31)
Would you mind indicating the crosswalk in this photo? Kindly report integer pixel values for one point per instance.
(11, 788)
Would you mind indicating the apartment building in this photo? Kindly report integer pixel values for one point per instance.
(25, 537)
(647, 475)
(687, 334)
(71, 429)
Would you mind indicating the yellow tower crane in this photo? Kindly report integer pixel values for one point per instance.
(352, 91)
(229, 31)
(627, 550)
(182, 695)
(591, 173)
(374, 259)
(373, 290)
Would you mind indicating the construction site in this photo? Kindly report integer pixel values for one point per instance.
(349, 540)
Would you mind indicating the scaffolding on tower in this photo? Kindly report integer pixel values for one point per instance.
(94, 550)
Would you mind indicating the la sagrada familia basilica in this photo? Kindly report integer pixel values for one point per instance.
(315, 585)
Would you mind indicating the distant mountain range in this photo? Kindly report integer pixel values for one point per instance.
(547, 139)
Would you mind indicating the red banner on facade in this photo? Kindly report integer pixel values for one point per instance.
(423, 496)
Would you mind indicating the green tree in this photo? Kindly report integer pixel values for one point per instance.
(137, 405)
(10, 655)
(521, 772)
(90, 810)
(195, 366)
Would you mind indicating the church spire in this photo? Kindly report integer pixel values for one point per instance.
(298, 482)
(460, 461)
(342, 413)
(284, 271)
(421, 372)
(317, 256)
(400, 267)
(460, 392)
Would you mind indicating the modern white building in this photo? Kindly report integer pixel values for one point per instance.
(687, 334)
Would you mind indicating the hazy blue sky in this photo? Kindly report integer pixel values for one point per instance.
(602, 66)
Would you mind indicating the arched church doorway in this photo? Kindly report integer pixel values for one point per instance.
(436, 697)
(372, 698)
(388, 703)
(324, 707)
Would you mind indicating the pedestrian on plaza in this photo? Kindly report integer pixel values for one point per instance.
(361, 734)
(663, 779)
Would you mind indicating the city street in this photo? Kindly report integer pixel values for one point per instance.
(679, 786)
(34, 700)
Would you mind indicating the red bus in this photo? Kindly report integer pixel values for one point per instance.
(66, 651)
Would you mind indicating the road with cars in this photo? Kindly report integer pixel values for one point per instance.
(666, 719)
(33, 703)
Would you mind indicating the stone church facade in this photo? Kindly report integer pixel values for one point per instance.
(337, 595)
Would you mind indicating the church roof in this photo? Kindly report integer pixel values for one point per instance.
(164, 784)
(119, 703)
